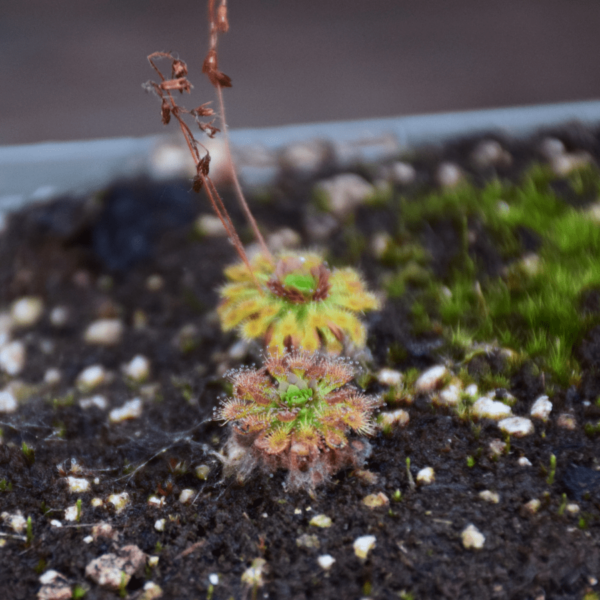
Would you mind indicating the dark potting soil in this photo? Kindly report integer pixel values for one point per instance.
(95, 257)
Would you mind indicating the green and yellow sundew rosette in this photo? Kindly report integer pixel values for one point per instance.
(299, 303)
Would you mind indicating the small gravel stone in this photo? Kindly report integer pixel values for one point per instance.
(132, 409)
(532, 506)
(90, 378)
(431, 379)
(13, 357)
(485, 408)
(210, 226)
(16, 521)
(159, 524)
(541, 408)
(202, 472)
(213, 578)
(572, 508)
(308, 541)
(345, 192)
(55, 523)
(119, 501)
(8, 402)
(239, 350)
(524, 462)
(52, 377)
(155, 283)
(253, 575)
(326, 561)
(402, 173)
(283, 239)
(305, 158)
(489, 496)
(78, 485)
(379, 244)
(157, 501)
(551, 147)
(490, 153)
(449, 396)
(104, 332)
(363, 545)
(151, 591)
(389, 377)
(566, 421)
(449, 175)
(564, 164)
(426, 476)
(71, 513)
(96, 502)
(322, 521)
(54, 586)
(153, 561)
(394, 418)
(472, 538)
(59, 316)
(376, 500)
(516, 426)
(138, 369)
(26, 312)
(113, 570)
(186, 496)
(97, 401)
(88, 539)
(104, 530)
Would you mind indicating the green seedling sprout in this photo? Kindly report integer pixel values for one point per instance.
(123, 585)
(28, 454)
(78, 505)
(470, 462)
(552, 470)
(563, 505)
(411, 481)
(78, 592)
(29, 531)
(397, 496)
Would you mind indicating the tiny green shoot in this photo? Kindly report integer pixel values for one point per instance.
(552, 470)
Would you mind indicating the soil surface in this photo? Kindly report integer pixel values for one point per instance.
(132, 255)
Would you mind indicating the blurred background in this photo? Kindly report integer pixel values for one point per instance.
(73, 69)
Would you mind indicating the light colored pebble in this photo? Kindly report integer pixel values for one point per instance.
(472, 390)
(90, 378)
(532, 506)
(119, 501)
(55, 523)
(137, 369)
(78, 485)
(472, 538)
(54, 586)
(104, 332)
(572, 508)
(13, 357)
(541, 408)
(485, 408)
(202, 472)
(376, 500)
(88, 539)
(426, 476)
(213, 578)
(151, 591)
(186, 496)
(345, 192)
(524, 462)
(16, 521)
(567, 421)
(52, 377)
(157, 501)
(402, 173)
(308, 541)
(322, 521)
(305, 158)
(153, 561)
(394, 418)
(111, 571)
(253, 575)
(97, 401)
(389, 377)
(449, 396)
(379, 245)
(27, 311)
(210, 226)
(132, 409)
(431, 379)
(104, 530)
(239, 350)
(551, 147)
(8, 402)
(363, 545)
(96, 502)
(449, 175)
(565, 164)
(325, 561)
(516, 426)
(59, 316)
(71, 513)
(155, 283)
(490, 153)
(159, 524)
(489, 496)
(283, 239)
